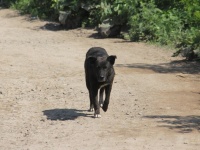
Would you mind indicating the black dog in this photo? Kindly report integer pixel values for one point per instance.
(99, 74)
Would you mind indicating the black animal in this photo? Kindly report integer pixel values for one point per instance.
(99, 74)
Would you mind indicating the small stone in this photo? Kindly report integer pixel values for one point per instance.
(42, 120)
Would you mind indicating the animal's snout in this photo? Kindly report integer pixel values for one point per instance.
(101, 78)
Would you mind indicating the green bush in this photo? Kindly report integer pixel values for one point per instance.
(116, 10)
(167, 22)
(142, 26)
(7, 3)
(43, 9)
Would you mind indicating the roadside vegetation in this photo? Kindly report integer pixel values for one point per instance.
(167, 22)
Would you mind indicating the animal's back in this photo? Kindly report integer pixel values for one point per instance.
(96, 52)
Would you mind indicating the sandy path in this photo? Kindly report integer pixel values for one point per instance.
(155, 101)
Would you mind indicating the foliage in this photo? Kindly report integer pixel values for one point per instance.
(168, 22)
(42, 9)
(86, 10)
(116, 10)
(161, 27)
(6, 3)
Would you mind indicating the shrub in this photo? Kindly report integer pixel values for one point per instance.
(7, 3)
(42, 9)
(167, 22)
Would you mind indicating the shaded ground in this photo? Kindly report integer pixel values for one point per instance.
(180, 66)
(155, 101)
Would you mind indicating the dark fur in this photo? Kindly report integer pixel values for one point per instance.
(99, 74)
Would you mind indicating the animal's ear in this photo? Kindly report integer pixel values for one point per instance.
(111, 59)
(92, 60)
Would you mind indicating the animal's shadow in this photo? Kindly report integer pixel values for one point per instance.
(64, 114)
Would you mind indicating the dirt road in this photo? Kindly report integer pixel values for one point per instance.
(155, 101)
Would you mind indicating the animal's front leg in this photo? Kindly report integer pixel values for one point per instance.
(107, 99)
(101, 97)
(96, 104)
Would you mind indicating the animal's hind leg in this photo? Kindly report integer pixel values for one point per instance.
(101, 97)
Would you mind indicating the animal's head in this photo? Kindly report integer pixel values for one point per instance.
(102, 66)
